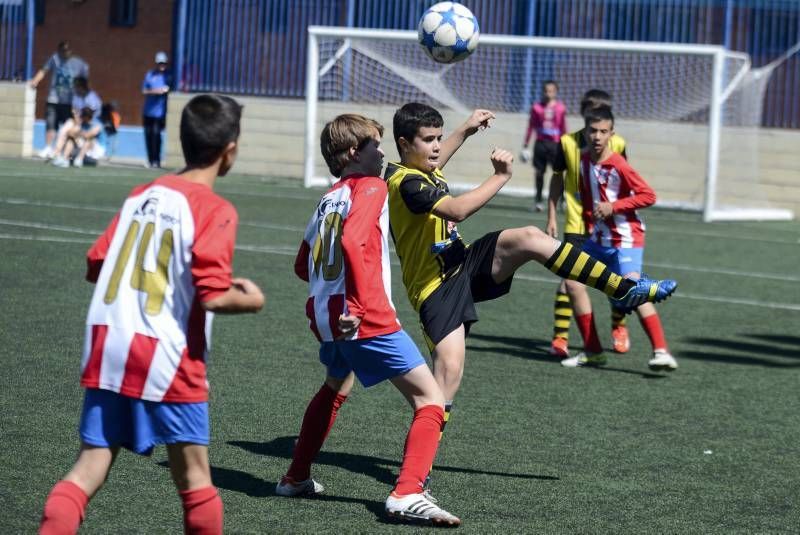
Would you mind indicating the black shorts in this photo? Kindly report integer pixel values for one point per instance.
(575, 239)
(544, 153)
(453, 303)
(57, 114)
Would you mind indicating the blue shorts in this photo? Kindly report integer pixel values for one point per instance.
(373, 359)
(110, 419)
(622, 261)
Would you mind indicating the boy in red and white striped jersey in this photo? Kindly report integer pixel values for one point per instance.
(612, 192)
(344, 257)
(162, 268)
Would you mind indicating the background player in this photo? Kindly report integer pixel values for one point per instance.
(345, 259)
(548, 120)
(611, 194)
(571, 296)
(161, 268)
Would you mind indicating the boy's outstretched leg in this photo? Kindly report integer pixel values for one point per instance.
(407, 502)
(66, 504)
(317, 423)
(520, 245)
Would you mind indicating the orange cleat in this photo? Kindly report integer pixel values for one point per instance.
(559, 347)
(622, 343)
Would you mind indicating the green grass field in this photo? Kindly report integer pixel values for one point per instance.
(531, 448)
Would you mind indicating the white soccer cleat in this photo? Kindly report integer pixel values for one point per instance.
(77, 162)
(662, 361)
(290, 488)
(416, 508)
(584, 359)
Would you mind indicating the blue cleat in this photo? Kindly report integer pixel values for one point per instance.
(645, 291)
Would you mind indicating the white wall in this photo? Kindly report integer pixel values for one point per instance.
(17, 109)
(757, 167)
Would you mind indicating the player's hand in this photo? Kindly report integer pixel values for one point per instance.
(502, 161)
(525, 155)
(552, 228)
(251, 289)
(348, 325)
(603, 210)
(479, 120)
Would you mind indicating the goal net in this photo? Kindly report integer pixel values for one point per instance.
(690, 113)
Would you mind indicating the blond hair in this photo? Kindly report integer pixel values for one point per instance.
(343, 133)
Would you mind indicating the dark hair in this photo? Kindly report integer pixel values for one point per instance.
(411, 117)
(598, 113)
(208, 124)
(87, 112)
(548, 82)
(80, 81)
(63, 46)
(594, 98)
(342, 133)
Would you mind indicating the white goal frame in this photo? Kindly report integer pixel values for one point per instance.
(717, 54)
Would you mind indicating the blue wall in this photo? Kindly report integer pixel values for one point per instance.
(258, 47)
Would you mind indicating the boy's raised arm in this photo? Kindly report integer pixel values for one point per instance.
(478, 120)
(459, 208)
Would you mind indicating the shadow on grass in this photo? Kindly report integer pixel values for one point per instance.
(536, 349)
(382, 470)
(750, 353)
(238, 481)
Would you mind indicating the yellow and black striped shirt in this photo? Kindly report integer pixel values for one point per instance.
(429, 247)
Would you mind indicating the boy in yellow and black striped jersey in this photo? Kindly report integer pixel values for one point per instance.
(443, 275)
(572, 299)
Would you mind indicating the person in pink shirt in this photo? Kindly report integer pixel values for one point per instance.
(548, 120)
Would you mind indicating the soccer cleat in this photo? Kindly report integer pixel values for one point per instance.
(583, 359)
(289, 487)
(559, 347)
(662, 361)
(645, 291)
(416, 508)
(622, 342)
(538, 207)
(77, 162)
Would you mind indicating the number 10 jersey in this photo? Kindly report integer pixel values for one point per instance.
(344, 257)
(168, 249)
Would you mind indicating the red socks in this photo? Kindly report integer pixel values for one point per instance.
(652, 326)
(422, 442)
(64, 509)
(591, 341)
(66, 503)
(317, 422)
(202, 511)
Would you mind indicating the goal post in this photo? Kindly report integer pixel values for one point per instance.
(689, 113)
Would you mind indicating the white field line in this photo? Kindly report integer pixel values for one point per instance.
(227, 189)
(287, 250)
(290, 228)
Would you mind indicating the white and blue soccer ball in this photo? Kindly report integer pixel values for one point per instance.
(448, 32)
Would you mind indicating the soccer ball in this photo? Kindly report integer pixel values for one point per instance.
(448, 32)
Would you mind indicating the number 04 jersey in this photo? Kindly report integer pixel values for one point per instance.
(168, 249)
(345, 259)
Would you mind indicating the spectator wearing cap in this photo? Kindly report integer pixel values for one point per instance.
(63, 68)
(155, 87)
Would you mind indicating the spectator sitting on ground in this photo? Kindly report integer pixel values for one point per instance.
(82, 137)
(84, 97)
